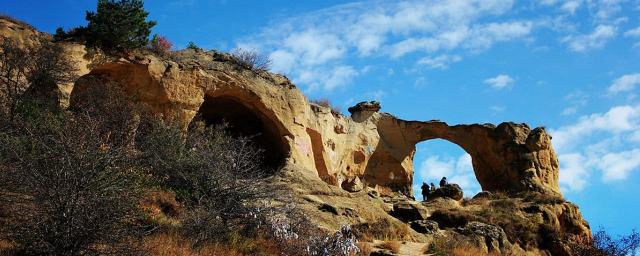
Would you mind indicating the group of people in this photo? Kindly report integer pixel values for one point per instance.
(426, 189)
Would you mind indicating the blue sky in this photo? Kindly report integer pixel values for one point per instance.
(570, 65)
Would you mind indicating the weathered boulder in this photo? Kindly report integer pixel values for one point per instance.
(407, 212)
(365, 106)
(352, 185)
(487, 237)
(483, 194)
(425, 226)
(452, 191)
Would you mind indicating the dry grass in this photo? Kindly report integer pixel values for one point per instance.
(169, 243)
(326, 102)
(393, 246)
(365, 248)
(382, 229)
(162, 208)
(454, 246)
(6, 16)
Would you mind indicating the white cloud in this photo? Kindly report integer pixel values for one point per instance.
(574, 175)
(598, 143)
(632, 32)
(597, 39)
(624, 83)
(616, 120)
(500, 82)
(441, 61)
(321, 40)
(570, 6)
(617, 166)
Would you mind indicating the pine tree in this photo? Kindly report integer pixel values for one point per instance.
(119, 25)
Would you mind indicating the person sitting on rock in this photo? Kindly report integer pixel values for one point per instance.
(425, 191)
(443, 182)
(433, 187)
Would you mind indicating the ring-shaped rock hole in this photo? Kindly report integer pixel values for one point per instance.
(246, 121)
(437, 158)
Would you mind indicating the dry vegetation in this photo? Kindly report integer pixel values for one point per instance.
(393, 246)
(326, 102)
(382, 229)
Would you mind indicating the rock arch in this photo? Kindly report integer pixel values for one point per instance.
(509, 157)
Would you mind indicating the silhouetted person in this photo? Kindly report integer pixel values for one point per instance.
(425, 191)
(433, 187)
(443, 182)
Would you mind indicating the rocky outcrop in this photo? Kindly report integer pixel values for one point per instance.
(487, 237)
(452, 191)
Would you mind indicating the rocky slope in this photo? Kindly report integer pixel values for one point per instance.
(356, 165)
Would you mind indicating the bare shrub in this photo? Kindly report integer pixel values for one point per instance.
(216, 177)
(325, 102)
(32, 74)
(75, 189)
(13, 68)
(605, 245)
(251, 59)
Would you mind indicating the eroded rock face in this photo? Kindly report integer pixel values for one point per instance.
(368, 149)
(376, 148)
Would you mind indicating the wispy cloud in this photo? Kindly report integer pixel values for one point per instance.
(500, 82)
(441, 61)
(624, 83)
(596, 40)
(328, 38)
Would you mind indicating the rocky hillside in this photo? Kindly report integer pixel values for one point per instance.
(355, 169)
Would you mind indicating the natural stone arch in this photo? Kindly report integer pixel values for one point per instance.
(509, 157)
(246, 120)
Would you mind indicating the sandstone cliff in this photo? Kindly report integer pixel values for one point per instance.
(317, 150)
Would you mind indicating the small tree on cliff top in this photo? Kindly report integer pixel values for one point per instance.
(119, 25)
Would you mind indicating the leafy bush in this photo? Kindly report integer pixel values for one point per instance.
(160, 45)
(119, 25)
(251, 59)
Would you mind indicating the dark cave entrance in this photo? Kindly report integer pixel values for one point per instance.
(246, 121)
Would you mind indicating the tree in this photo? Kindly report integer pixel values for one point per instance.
(192, 45)
(119, 25)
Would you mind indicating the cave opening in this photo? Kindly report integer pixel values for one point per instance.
(437, 158)
(246, 121)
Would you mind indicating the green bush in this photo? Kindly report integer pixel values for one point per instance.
(119, 25)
